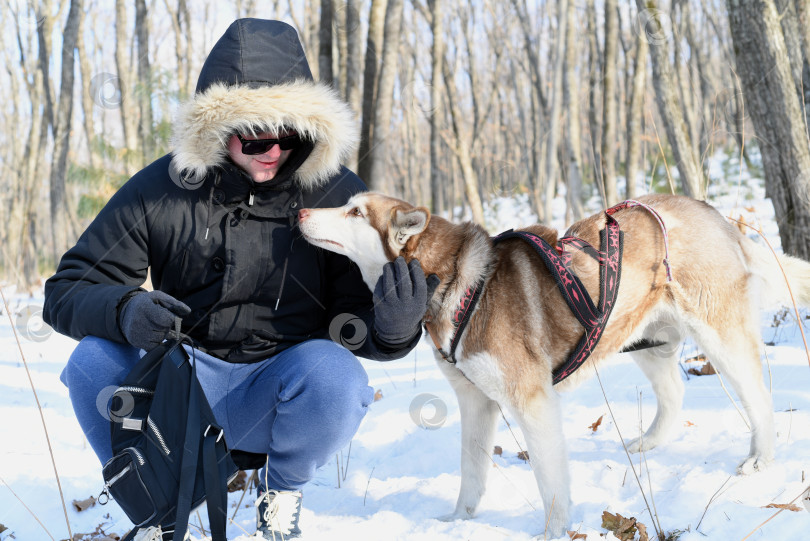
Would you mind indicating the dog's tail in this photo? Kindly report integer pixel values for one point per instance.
(777, 273)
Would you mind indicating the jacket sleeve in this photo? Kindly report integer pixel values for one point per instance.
(107, 264)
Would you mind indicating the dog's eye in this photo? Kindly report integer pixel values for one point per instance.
(356, 212)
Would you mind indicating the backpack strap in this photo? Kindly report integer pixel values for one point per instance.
(191, 450)
(216, 489)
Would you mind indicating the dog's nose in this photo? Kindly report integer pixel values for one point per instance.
(303, 214)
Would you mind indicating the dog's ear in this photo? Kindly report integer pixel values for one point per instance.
(406, 223)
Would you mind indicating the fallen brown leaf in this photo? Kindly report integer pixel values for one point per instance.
(706, 370)
(2, 528)
(82, 505)
(524, 455)
(642, 532)
(623, 528)
(595, 425)
(574, 536)
(785, 506)
(498, 450)
(378, 395)
(689, 423)
(238, 482)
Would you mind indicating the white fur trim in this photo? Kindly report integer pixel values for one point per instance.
(204, 124)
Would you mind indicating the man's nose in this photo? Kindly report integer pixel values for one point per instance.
(303, 214)
(274, 151)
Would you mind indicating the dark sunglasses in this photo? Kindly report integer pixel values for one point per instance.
(251, 147)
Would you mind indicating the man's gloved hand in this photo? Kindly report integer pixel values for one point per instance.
(400, 300)
(148, 316)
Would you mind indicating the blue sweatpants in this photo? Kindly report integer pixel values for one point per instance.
(299, 407)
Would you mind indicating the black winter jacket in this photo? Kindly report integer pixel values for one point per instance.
(213, 238)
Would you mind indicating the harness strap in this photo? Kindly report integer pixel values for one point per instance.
(574, 293)
(633, 203)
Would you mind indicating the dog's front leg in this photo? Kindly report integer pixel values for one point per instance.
(540, 419)
(478, 417)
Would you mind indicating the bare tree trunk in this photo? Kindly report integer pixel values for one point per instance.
(571, 106)
(61, 134)
(374, 45)
(127, 107)
(145, 83)
(776, 114)
(670, 107)
(87, 100)
(182, 11)
(325, 43)
(182, 48)
(381, 131)
(437, 59)
(462, 148)
(635, 112)
(682, 75)
(555, 109)
(607, 155)
(539, 107)
(594, 69)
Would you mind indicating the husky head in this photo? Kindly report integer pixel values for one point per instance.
(371, 230)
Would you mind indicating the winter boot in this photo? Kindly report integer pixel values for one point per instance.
(277, 514)
(157, 533)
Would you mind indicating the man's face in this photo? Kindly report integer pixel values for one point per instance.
(260, 167)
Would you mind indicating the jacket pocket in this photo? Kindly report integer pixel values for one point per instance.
(126, 478)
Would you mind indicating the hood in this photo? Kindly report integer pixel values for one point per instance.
(257, 76)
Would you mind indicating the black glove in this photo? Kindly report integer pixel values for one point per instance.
(400, 300)
(147, 317)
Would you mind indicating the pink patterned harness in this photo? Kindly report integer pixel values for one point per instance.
(593, 317)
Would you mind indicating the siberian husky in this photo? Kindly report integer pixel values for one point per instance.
(522, 329)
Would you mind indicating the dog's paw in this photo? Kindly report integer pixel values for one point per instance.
(554, 531)
(753, 464)
(464, 514)
(637, 445)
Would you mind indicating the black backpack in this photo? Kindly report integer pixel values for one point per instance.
(169, 454)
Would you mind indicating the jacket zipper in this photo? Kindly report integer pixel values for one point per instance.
(139, 456)
(158, 435)
(135, 390)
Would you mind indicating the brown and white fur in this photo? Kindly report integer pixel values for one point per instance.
(522, 328)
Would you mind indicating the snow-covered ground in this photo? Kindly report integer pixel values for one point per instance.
(398, 476)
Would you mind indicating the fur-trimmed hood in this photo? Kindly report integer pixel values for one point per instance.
(257, 77)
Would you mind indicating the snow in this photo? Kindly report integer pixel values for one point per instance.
(397, 476)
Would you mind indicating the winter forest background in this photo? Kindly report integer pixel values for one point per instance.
(458, 102)
(503, 112)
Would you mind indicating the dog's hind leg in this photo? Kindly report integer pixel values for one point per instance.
(734, 353)
(660, 365)
(478, 420)
(540, 419)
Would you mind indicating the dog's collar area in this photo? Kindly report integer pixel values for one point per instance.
(461, 317)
